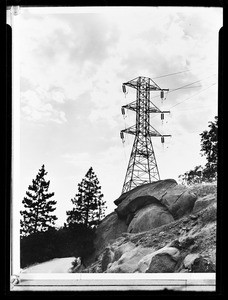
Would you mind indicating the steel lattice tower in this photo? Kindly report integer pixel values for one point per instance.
(142, 167)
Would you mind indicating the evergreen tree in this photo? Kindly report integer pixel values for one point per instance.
(89, 205)
(37, 215)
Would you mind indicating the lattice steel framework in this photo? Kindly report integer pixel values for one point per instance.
(142, 167)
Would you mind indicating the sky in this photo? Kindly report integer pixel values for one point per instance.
(72, 66)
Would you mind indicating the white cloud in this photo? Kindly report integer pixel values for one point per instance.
(73, 68)
(58, 96)
(37, 105)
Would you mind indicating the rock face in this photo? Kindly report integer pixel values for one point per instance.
(203, 202)
(176, 198)
(150, 216)
(179, 201)
(143, 208)
(158, 227)
(127, 202)
(109, 230)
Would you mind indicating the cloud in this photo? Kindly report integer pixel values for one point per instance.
(65, 50)
(73, 66)
(95, 53)
(38, 106)
(91, 37)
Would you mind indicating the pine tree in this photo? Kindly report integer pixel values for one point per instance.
(37, 215)
(89, 205)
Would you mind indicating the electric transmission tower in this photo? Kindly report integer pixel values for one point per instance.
(142, 167)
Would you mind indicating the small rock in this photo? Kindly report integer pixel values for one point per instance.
(202, 265)
(162, 263)
(107, 258)
(175, 244)
(186, 242)
(193, 217)
(183, 271)
(161, 233)
(189, 259)
(125, 234)
(194, 248)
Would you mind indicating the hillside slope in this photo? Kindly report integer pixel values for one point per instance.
(181, 237)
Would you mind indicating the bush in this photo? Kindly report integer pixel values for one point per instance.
(75, 240)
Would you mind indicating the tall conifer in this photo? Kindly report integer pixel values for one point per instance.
(37, 215)
(89, 205)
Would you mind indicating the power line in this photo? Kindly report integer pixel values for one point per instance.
(191, 87)
(186, 85)
(191, 83)
(193, 95)
(175, 73)
(190, 97)
(171, 74)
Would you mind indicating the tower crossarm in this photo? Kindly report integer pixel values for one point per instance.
(152, 109)
(152, 86)
(151, 132)
(130, 130)
(131, 106)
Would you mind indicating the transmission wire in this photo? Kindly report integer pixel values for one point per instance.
(171, 74)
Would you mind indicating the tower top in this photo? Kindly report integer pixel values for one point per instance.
(142, 80)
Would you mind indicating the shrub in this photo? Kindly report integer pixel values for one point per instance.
(67, 241)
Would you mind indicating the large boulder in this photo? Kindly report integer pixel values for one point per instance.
(149, 217)
(127, 203)
(203, 265)
(177, 198)
(162, 263)
(179, 201)
(189, 260)
(128, 262)
(204, 202)
(172, 253)
(110, 229)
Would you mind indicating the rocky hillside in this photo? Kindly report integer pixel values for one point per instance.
(158, 227)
